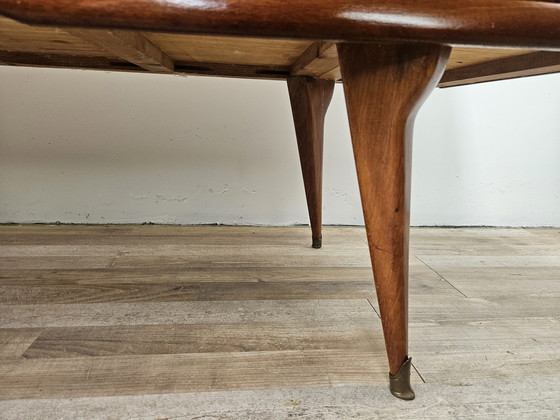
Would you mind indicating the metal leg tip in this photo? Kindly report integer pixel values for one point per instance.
(317, 242)
(400, 383)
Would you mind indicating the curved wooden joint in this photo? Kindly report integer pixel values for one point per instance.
(385, 84)
(310, 99)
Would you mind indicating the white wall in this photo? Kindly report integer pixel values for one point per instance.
(95, 147)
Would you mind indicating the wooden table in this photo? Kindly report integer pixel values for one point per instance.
(389, 55)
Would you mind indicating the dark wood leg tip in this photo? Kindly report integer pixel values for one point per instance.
(317, 242)
(400, 383)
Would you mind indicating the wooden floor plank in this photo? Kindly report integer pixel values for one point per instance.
(502, 333)
(494, 348)
(210, 252)
(205, 338)
(298, 236)
(178, 275)
(217, 291)
(53, 262)
(434, 308)
(439, 262)
(455, 370)
(26, 287)
(156, 313)
(161, 274)
(486, 241)
(496, 399)
(14, 342)
(504, 281)
(144, 321)
(194, 372)
(545, 235)
(243, 257)
(150, 256)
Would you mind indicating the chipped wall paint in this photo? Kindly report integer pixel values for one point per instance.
(95, 147)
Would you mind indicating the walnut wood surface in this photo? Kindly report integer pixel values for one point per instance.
(385, 85)
(310, 99)
(534, 63)
(514, 23)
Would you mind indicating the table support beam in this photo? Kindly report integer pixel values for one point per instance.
(317, 60)
(384, 85)
(130, 46)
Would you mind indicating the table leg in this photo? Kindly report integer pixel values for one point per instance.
(310, 99)
(384, 85)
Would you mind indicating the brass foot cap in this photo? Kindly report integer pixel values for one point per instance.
(400, 383)
(317, 242)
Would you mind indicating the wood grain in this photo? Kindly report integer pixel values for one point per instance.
(232, 70)
(21, 38)
(310, 99)
(535, 63)
(493, 398)
(153, 235)
(319, 59)
(503, 23)
(160, 276)
(195, 372)
(384, 85)
(14, 342)
(130, 46)
(201, 338)
(241, 51)
(48, 60)
(486, 346)
(133, 51)
(505, 281)
(194, 312)
(85, 262)
(465, 56)
(239, 257)
(185, 291)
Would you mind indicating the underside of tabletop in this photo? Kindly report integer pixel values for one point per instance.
(158, 52)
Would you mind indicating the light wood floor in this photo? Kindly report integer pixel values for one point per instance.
(162, 322)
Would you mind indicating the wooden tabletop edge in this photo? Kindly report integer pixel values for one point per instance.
(528, 24)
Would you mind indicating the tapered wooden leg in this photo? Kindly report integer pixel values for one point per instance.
(384, 85)
(310, 99)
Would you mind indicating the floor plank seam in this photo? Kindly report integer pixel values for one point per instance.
(416, 369)
(443, 278)
(373, 307)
